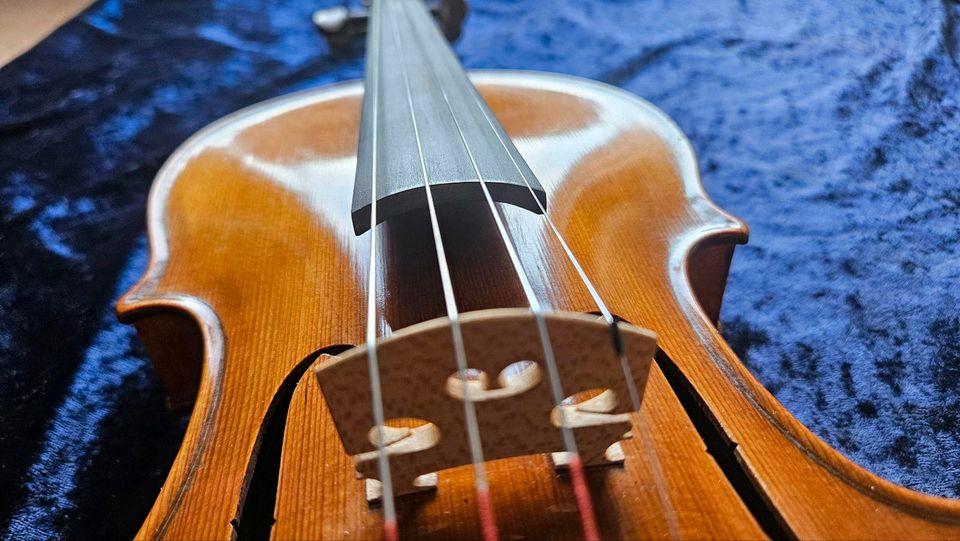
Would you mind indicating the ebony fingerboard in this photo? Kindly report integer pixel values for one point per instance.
(423, 123)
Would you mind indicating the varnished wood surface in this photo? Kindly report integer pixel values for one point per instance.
(321, 499)
(251, 236)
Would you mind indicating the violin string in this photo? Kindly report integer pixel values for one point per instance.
(581, 491)
(390, 531)
(649, 448)
(556, 388)
(617, 343)
(487, 518)
(594, 294)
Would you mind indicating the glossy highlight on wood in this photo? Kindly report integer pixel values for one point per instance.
(252, 244)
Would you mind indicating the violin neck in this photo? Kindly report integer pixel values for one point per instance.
(424, 124)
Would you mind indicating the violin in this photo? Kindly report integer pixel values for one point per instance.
(447, 305)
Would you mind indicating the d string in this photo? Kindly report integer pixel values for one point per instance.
(487, 519)
(390, 531)
(617, 344)
(581, 492)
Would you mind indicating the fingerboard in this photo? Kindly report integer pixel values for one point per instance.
(424, 122)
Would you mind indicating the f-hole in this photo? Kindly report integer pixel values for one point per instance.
(720, 448)
(255, 517)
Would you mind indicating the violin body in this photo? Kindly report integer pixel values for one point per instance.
(257, 277)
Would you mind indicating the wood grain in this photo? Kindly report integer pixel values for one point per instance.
(515, 420)
(251, 236)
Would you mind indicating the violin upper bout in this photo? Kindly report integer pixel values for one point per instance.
(622, 180)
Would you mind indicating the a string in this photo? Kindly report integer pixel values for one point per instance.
(581, 492)
(650, 450)
(601, 305)
(390, 532)
(488, 522)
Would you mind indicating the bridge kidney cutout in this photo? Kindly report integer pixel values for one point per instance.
(516, 378)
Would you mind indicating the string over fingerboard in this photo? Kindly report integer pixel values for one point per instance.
(455, 141)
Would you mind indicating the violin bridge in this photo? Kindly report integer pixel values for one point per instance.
(422, 391)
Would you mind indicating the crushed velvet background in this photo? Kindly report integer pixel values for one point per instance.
(831, 127)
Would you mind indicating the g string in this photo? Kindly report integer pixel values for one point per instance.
(390, 532)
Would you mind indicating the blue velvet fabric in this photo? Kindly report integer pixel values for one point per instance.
(831, 127)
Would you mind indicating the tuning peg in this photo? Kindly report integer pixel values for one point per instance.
(341, 25)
